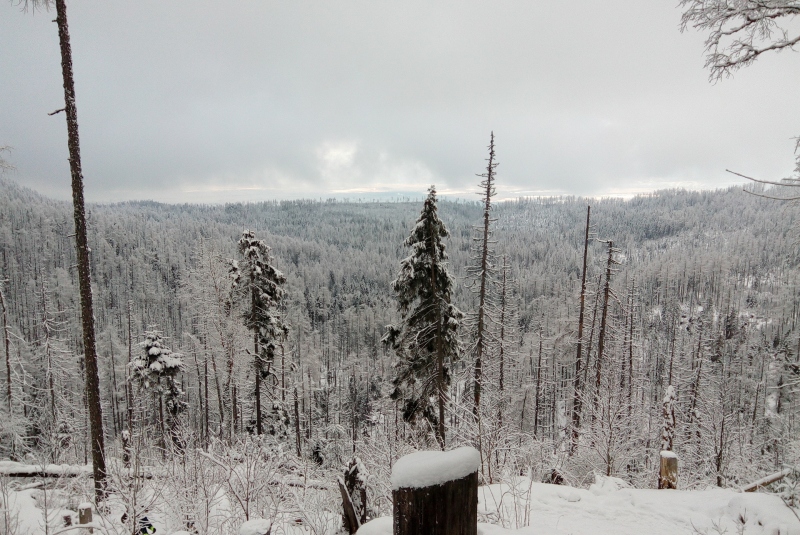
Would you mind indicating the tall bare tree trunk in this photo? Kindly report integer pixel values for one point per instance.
(538, 386)
(578, 392)
(480, 335)
(6, 344)
(601, 337)
(82, 246)
(501, 349)
(257, 370)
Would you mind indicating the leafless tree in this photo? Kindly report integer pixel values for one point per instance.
(739, 32)
(81, 243)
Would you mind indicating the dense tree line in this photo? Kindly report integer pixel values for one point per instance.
(701, 297)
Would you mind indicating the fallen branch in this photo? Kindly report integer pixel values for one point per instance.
(767, 480)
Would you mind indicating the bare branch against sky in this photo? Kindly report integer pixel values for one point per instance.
(187, 101)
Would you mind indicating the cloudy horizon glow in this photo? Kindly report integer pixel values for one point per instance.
(205, 102)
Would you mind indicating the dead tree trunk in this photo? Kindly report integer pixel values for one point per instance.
(578, 393)
(82, 246)
(6, 344)
(481, 339)
(601, 337)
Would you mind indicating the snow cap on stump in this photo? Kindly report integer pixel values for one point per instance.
(428, 468)
(256, 526)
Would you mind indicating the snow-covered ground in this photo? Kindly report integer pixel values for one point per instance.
(609, 508)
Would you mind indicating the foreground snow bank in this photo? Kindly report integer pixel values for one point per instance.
(611, 507)
(426, 468)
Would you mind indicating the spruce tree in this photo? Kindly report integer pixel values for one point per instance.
(158, 368)
(255, 274)
(426, 342)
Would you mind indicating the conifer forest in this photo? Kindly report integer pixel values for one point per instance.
(310, 330)
(602, 340)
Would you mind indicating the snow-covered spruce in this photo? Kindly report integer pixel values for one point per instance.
(427, 338)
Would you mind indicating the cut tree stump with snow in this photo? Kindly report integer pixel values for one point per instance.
(436, 493)
(85, 515)
(668, 473)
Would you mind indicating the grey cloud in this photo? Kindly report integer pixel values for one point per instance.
(203, 101)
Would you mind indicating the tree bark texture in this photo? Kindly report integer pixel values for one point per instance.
(481, 341)
(602, 335)
(447, 509)
(578, 392)
(6, 344)
(668, 474)
(82, 246)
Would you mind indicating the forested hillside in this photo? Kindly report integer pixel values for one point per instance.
(702, 297)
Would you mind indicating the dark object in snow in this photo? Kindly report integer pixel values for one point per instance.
(554, 478)
(316, 454)
(668, 471)
(145, 527)
(353, 489)
(85, 515)
(450, 508)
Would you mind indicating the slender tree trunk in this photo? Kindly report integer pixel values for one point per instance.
(128, 385)
(591, 333)
(501, 349)
(6, 345)
(538, 386)
(601, 337)
(480, 337)
(297, 437)
(578, 391)
(82, 246)
(114, 411)
(630, 349)
(259, 428)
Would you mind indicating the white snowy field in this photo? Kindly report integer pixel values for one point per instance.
(609, 508)
(524, 508)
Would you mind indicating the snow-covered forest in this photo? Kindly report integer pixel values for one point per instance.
(267, 337)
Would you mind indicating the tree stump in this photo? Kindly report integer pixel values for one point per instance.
(353, 489)
(85, 515)
(668, 473)
(436, 493)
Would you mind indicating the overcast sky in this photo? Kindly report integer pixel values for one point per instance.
(190, 101)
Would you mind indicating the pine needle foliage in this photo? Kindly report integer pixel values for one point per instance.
(426, 342)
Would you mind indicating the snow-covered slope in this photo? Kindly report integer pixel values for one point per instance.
(608, 508)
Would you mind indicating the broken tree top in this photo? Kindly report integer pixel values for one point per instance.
(427, 468)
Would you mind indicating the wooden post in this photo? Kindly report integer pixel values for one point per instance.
(85, 515)
(668, 474)
(436, 493)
